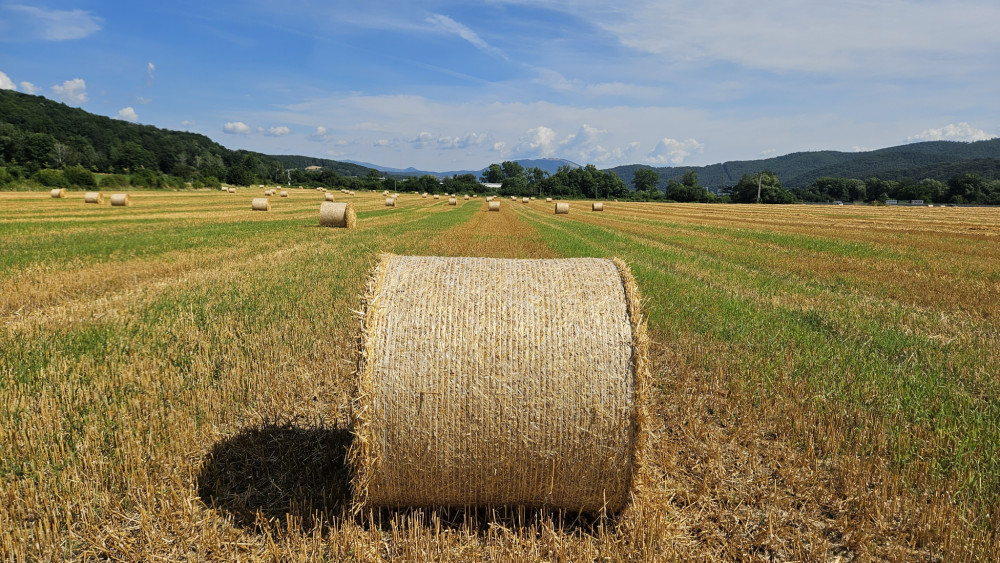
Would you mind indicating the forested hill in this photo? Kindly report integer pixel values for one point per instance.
(938, 160)
(342, 168)
(38, 133)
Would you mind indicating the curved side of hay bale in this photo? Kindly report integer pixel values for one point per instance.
(390, 202)
(463, 400)
(494, 205)
(338, 215)
(260, 204)
(597, 206)
(93, 197)
(562, 208)
(121, 200)
(58, 193)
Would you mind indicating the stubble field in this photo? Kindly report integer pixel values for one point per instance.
(175, 378)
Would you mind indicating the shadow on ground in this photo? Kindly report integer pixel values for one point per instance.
(278, 470)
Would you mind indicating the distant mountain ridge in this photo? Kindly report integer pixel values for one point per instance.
(550, 165)
(939, 160)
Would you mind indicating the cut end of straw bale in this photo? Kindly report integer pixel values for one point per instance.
(597, 206)
(121, 200)
(93, 197)
(494, 205)
(465, 400)
(58, 193)
(260, 204)
(338, 215)
(562, 208)
(390, 202)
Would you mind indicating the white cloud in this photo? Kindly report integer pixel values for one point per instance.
(29, 88)
(143, 101)
(31, 22)
(151, 70)
(187, 123)
(6, 83)
(71, 92)
(540, 141)
(672, 151)
(128, 114)
(320, 134)
(276, 131)
(952, 132)
(236, 128)
(449, 25)
(381, 143)
(445, 142)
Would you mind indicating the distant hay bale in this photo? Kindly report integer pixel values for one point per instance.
(513, 198)
(525, 200)
(562, 208)
(385, 192)
(328, 197)
(436, 196)
(539, 401)
(283, 193)
(121, 200)
(93, 197)
(424, 195)
(597, 206)
(548, 200)
(260, 204)
(337, 215)
(350, 192)
(452, 201)
(58, 193)
(395, 196)
(494, 206)
(232, 190)
(390, 202)
(224, 188)
(466, 197)
(532, 199)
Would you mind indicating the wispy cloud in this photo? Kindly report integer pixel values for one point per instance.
(276, 131)
(23, 23)
(29, 88)
(6, 83)
(236, 128)
(449, 25)
(128, 114)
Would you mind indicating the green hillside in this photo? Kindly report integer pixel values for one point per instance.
(302, 162)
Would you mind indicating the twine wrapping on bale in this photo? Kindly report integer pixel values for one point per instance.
(260, 204)
(452, 201)
(494, 205)
(58, 193)
(339, 215)
(562, 208)
(121, 200)
(93, 197)
(466, 400)
(597, 206)
(328, 197)
(390, 202)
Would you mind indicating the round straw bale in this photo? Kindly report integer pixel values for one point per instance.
(58, 193)
(260, 204)
(385, 193)
(232, 190)
(513, 198)
(284, 193)
(436, 196)
(562, 208)
(597, 206)
(328, 197)
(548, 200)
(463, 400)
(93, 197)
(452, 201)
(466, 197)
(224, 188)
(494, 206)
(390, 202)
(525, 200)
(424, 195)
(121, 200)
(339, 215)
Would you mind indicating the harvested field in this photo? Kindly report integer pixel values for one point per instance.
(825, 383)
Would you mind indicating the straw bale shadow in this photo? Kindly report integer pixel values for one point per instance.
(278, 470)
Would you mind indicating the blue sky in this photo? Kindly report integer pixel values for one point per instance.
(442, 85)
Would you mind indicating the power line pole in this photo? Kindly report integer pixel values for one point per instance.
(760, 177)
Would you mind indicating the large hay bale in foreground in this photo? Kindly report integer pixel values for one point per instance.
(597, 206)
(340, 215)
(467, 400)
(58, 193)
(121, 200)
(494, 205)
(260, 204)
(562, 208)
(93, 197)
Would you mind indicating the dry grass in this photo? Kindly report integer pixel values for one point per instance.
(172, 386)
